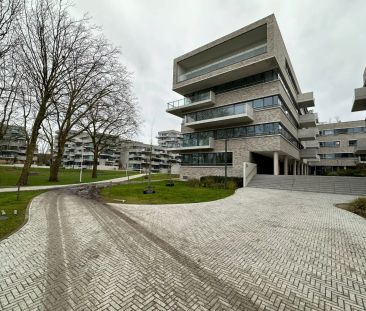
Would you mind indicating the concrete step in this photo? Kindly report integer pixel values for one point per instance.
(326, 184)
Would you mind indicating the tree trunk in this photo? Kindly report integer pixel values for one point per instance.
(23, 178)
(56, 163)
(95, 165)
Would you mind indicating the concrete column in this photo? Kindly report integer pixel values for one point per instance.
(298, 168)
(286, 165)
(294, 168)
(302, 168)
(276, 164)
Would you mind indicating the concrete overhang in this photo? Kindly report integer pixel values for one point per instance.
(182, 106)
(361, 147)
(241, 118)
(227, 74)
(306, 100)
(359, 102)
(308, 120)
(308, 133)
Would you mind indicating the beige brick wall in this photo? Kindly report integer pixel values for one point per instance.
(344, 143)
(241, 149)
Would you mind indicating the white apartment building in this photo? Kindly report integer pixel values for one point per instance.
(137, 156)
(169, 139)
(80, 150)
(13, 146)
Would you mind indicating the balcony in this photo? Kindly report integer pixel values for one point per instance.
(231, 114)
(308, 133)
(306, 100)
(194, 144)
(359, 102)
(309, 154)
(311, 144)
(361, 147)
(308, 120)
(198, 101)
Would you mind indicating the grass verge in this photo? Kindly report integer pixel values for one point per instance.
(180, 193)
(357, 206)
(9, 203)
(39, 176)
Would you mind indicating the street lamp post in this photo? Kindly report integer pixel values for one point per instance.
(82, 159)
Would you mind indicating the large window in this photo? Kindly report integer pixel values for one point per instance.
(330, 144)
(239, 108)
(346, 130)
(340, 155)
(207, 159)
(197, 138)
(202, 138)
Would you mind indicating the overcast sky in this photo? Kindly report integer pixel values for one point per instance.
(325, 39)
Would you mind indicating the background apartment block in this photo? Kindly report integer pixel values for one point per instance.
(80, 149)
(13, 146)
(137, 156)
(242, 89)
(359, 102)
(342, 145)
(169, 139)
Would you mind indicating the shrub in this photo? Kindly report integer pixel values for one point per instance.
(232, 185)
(221, 180)
(359, 204)
(193, 182)
(207, 181)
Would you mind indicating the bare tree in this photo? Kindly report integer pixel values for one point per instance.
(10, 10)
(47, 37)
(9, 88)
(87, 83)
(113, 117)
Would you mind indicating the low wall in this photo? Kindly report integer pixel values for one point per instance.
(249, 171)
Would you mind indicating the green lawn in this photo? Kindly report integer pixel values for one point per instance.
(39, 176)
(8, 203)
(180, 193)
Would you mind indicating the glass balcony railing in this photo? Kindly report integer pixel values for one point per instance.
(224, 111)
(227, 61)
(207, 95)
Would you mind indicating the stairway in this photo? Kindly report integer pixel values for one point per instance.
(323, 184)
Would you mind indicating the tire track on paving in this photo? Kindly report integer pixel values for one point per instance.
(221, 290)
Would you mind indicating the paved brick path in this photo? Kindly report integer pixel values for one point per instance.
(257, 250)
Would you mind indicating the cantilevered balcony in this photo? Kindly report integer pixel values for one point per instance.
(198, 101)
(195, 144)
(309, 154)
(308, 133)
(306, 100)
(231, 114)
(361, 147)
(308, 120)
(311, 144)
(359, 102)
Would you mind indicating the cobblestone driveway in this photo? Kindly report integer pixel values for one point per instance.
(259, 249)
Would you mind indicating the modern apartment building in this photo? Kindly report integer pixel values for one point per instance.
(359, 102)
(137, 156)
(169, 139)
(13, 146)
(342, 145)
(80, 150)
(241, 91)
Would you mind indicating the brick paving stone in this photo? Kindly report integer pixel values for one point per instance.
(256, 250)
